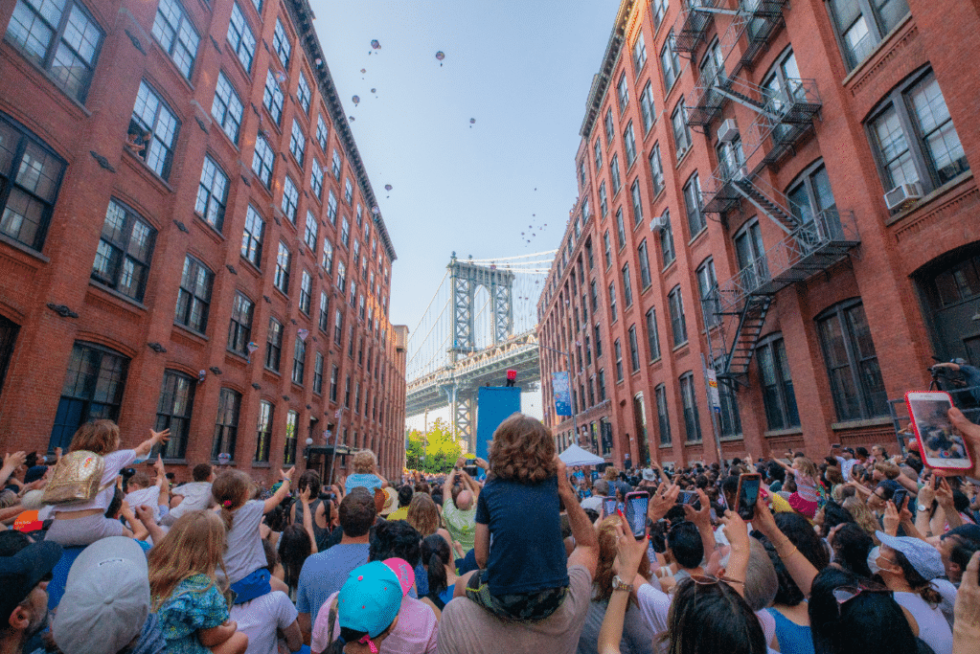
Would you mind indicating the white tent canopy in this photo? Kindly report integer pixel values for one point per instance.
(576, 456)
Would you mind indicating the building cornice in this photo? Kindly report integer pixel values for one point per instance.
(601, 80)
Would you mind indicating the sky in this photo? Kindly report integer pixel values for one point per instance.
(521, 69)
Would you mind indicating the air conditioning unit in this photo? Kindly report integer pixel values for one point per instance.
(658, 222)
(903, 196)
(728, 131)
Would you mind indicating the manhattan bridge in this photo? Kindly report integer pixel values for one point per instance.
(480, 322)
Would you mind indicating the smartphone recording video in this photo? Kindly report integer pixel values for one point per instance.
(940, 444)
(636, 512)
(691, 498)
(748, 493)
(609, 506)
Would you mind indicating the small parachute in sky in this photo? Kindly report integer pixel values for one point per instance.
(388, 187)
(375, 44)
(356, 100)
(350, 118)
(374, 90)
(440, 56)
(363, 70)
(472, 121)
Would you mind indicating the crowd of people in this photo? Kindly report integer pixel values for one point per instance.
(855, 552)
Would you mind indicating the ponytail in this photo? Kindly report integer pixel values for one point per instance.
(230, 491)
(437, 555)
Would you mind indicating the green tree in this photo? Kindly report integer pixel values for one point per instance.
(434, 451)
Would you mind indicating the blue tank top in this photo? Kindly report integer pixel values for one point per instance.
(793, 638)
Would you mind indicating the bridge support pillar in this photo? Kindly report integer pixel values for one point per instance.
(465, 412)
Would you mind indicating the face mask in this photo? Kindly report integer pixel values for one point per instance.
(873, 560)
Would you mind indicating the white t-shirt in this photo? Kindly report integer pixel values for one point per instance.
(260, 619)
(149, 496)
(196, 494)
(114, 462)
(245, 553)
(594, 503)
(948, 591)
(933, 628)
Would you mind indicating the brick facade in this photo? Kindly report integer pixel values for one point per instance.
(892, 271)
(52, 299)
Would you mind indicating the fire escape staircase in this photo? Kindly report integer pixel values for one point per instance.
(756, 20)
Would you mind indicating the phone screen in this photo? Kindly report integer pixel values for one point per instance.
(636, 512)
(899, 498)
(748, 493)
(941, 444)
(689, 497)
(609, 505)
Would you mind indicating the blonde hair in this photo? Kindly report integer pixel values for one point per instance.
(99, 436)
(194, 545)
(807, 467)
(423, 514)
(887, 468)
(231, 489)
(522, 450)
(602, 585)
(364, 462)
(862, 515)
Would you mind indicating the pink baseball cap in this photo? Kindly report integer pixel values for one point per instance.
(404, 571)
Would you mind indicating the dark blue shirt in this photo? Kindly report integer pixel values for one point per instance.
(527, 553)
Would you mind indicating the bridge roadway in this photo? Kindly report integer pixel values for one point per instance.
(456, 385)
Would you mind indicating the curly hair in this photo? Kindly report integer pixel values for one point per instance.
(99, 436)
(364, 462)
(602, 585)
(423, 514)
(522, 450)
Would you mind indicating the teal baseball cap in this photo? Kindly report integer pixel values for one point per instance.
(372, 595)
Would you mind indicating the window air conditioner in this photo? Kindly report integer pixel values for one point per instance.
(728, 131)
(903, 196)
(658, 222)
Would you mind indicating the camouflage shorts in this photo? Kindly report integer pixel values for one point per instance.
(529, 607)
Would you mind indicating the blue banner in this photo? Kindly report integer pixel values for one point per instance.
(563, 396)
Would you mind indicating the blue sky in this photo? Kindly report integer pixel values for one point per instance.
(521, 69)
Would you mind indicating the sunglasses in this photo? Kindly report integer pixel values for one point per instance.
(710, 580)
(845, 594)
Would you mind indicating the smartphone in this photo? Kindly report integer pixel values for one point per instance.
(609, 506)
(636, 512)
(689, 497)
(941, 446)
(748, 492)
(899, 498)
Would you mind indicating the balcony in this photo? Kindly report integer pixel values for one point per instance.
(692, 23)
(763, 20)
(707, 99)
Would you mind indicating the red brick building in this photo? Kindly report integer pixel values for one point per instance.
(189, 237)
(784, 190)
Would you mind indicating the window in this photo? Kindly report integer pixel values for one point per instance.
(342, 276)
(240, 326)
(777, 384)
(594, 290)
(312, 228)
(692, 422)
(226, 108)
(290, 199)
(305, 292)
(194, 296)
(252, 236)
(347, 392)
(338, 327)
(677, 325)
(670, 63)
(289, 448)
(617, 348)
(281, 280)
(603, 204)
(597, 149)
(226, 425)
(862, 24)
(634, 350)
(273, 345)
(316, 180)
(852, 364)
(322, 132)
(299, 360)
(348, 191)
(262, 160)
(614, 173)
(627, 286)
(153, 131)
(324, 319)
(174, 412)
(335, 165)
(600, 380)
(663, 419)
(811, 195)
(656, 170)
(303, 93)
(345, 232)
(93, 389)
(653, 336)
(644, 258)
(280, 43)
(639, 53)
(914, 138)
(272, 97)
(751, 255)
(30, 176)
(334, 372)
(708, 290)
(667, 241)
(712, 68)
(212, 194)
(175, 33)
(327, 260)
(263, 432)
(659, 10)
(607, 251)
(122, 261)
(692, 202)
(318, 373)
(647, 110)
(612, 301)
(622, 93)
(629, 145)
(240, 38)
(620, 229)
(331, 207)
(63, 40)
(610, 129)
(297, 143)
(682, 134)
(637, 201)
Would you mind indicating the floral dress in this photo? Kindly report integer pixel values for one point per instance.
(195, 604)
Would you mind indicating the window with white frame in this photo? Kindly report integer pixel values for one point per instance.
(322, 132)
(670, 62)
(153, 131)
(603, 202)
(281, 279)
(212, 194)
(227, 108)
(622, 92)
(290, 199)
(327, 259)
(241, 38)
(324, 320)
(316, 179)
(682, 133)
(648, 110)
(252, 236)
(348, 191)
(614, 174)
(297, 142)
(175, 33)
(272, 97)
(305, 292)
(659, 11)
(335, 165)
(280, 43)
(639, 53)
(629, 145)
(597, 155)
(303, 93)
(342, 276)
(263, 159)
(332, 207)
(312, 229)
(345, 232)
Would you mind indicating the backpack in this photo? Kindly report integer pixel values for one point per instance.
(76, 478)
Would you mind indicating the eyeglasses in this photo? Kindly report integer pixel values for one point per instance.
(710, 580)
(844, 594)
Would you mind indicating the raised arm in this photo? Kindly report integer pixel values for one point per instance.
(629, 554)
(798, 566)
(586, 542)
(447, 486)
(276, 500)
(156, 437)
(11, 462)
(304, 497)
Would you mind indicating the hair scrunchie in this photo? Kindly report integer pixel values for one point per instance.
(226, 504)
